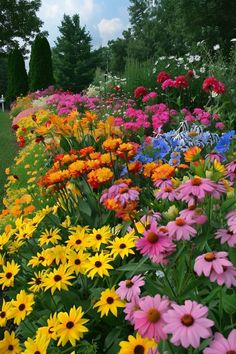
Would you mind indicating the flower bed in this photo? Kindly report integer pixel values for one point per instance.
(119, 228)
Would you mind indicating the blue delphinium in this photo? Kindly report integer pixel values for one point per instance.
(223, 144)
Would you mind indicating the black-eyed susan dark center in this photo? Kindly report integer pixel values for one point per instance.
(110, 300)
(57, 277)
(98, 264)
(139, 349)
(70, 325)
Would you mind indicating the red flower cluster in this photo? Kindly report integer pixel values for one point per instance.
(214, 85)
(140, 91)
(181, 82)
(162, 76)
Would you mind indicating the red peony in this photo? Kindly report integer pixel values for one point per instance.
(181, 81)
(162, 76)
(140, 91)
(214, 85)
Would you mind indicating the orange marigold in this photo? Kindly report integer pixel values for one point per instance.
(164, 171)
(111, 144)
(99, 176)
(192, 154)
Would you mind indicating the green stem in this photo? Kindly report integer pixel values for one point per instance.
(169, 283)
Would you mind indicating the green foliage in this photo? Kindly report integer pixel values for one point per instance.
(139, 74)
(40, 73)
(73, 61)
(3, 75)
(17, 77)
(18, 19)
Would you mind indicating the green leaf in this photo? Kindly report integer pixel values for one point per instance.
(232, 255)
(228, 203)
(65, 145)
(84, 207)
(229, 303)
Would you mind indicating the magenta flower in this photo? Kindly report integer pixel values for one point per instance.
(155, 244)
(166, 192)
(211, 261)
(181, 229)
(194, 215)
(228, 277)
(130, 288)
(220, 345)
(226, 236)
(196, 189)
(188, 323)
(148, 321)
(131, 308)
(231, 220)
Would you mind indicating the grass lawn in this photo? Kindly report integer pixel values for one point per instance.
(8, 148)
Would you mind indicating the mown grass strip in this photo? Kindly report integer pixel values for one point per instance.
(8, 149)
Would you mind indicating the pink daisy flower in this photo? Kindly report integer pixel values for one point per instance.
(211, 261)
(228, 277)
(155, 244)
(148, 321)
(196, 189)
(181, 229)
(226, 236)
(231, 220)
(130, 309)
(188, 323)
(221, 345)
(166, 192)
(193, 214)
(130, 288)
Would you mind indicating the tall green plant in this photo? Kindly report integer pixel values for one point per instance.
(40, 73)
(17, 77)
(139, 74)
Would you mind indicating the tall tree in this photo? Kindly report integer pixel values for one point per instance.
(18, 20)
(17, 83)
(3, 75)
(40, 72)
(73, 61)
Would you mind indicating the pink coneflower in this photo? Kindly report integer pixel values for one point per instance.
(215, 156)
(228, 277)
(231, 220)
(126, 194)
(188, 323)
(226, 236)
(148, 321)
(196, 189)
(155, 244)
(166, 192)
(194, 215)
(221, 345)
(130, 288)
(181, 229)
(131, 308)
(210, 261)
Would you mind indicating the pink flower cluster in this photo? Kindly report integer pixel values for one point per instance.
(161, 114)
(217, 267)
(179, 82)
(203, 117)
(137, 119)
(156, 317)
(67, 102)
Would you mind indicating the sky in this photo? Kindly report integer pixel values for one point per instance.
(104, 19)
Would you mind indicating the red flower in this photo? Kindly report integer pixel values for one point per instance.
(21, 141)
(58, 157)
(15, 127)
(190, 73)
(181, 81)
(140, 91)
(214, 85)
(162, 76)
(39, 139)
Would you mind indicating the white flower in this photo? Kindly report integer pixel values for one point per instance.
(197, 57)
(216, 47)
(202, 70)
(191, 59)
(233, 40)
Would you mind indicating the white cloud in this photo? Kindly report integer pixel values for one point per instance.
(110, 29)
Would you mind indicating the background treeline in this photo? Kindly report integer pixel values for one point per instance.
(157, 28)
